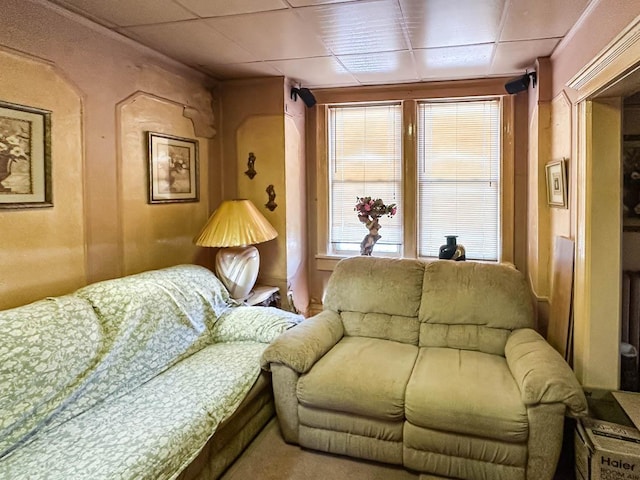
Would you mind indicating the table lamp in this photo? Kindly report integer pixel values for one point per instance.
(235, 227)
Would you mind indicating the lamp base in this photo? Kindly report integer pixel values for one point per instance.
(237, 268)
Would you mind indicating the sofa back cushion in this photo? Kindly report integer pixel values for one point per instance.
(149, 322)
(377, 297)
(45, 349)
(473, 306)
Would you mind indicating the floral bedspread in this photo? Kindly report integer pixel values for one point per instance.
(152, 432)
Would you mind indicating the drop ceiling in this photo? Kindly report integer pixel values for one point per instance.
(327, 43)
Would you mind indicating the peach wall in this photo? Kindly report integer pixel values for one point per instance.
(239, 100)
(603, 21)
(155, 235)
(42, 250)
(259, 118)
(552, 137)
(263, 135)
(85, 239)
(560, 148)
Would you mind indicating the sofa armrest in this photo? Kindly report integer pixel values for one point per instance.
(541, 373)
(253, 324)
(302, 346)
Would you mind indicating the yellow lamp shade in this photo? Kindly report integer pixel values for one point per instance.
(236, 223)
(235, 226)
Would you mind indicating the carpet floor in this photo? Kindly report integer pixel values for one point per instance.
(268, 457)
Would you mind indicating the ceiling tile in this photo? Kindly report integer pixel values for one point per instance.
(527, 19)
(218, 8)
(193, 42)
(385, 67)
(358, 27)
(516, 57)
(271, 35)
(443, 23)
(126, 12)
(378, 41)
(315, 72)
(454, 62)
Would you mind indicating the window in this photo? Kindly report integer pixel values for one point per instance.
(459, 151)
(365, 160)
(443, 153)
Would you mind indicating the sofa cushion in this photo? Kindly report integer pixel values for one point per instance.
(148, 322)
(381, 325)
(151, 433)
(463, 456)
(388, 430)
(45, 349)
(486, 301)
(253, 324)
(361, 376)
(376, 285)
(466, 392)
(467, 337)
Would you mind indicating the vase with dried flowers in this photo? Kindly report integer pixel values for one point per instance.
(369, 210)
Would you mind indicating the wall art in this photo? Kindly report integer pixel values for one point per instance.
(557, 183)
(25, 156)
(173, 169)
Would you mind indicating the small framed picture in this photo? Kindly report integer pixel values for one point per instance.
(25, 156)
(173, 169)
(557, 183)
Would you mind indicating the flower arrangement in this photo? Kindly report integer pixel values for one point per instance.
(368, 207)
(369, 211)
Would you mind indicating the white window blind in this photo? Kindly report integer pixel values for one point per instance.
(365, 151)
(459, 160)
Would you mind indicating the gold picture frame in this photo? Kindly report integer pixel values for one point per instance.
(173, 169)
(556, 172)
(25, 157)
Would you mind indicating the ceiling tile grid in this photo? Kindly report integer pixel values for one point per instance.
(443, 23)
(358, 27)
(220, 8)
(322, 43)
(277, 35)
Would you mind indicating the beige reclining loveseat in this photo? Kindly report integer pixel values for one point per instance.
(434, 366)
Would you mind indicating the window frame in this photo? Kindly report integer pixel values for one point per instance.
(498, 231)
(410, 95)
(329, 248)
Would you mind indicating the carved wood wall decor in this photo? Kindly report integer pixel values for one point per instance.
(271, 204)
(251, 172)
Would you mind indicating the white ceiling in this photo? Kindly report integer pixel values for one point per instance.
(323, 43)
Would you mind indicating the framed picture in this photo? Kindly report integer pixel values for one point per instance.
(173, 169)
(25, 156)
(557, 183)
(631, 182)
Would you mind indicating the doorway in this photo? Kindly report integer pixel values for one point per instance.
(601, 88)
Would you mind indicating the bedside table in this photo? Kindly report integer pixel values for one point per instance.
(264, 296)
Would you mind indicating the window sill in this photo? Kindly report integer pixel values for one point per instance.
(326, 263)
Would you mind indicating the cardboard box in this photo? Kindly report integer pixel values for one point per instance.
(630, 403)
(606, 451)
